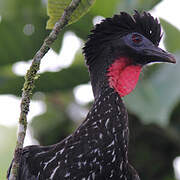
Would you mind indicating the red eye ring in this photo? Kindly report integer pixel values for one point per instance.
(136, 38)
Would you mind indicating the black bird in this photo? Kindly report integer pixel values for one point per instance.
(115, 53)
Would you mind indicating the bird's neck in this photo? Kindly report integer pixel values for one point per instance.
(107, 125)
(122, 75)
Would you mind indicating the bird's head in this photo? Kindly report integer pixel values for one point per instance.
(119, 47)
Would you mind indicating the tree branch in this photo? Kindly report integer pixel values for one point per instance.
(30, 78)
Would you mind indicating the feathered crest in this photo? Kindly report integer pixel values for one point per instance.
(120, 25)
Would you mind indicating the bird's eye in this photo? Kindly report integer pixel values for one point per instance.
(136, 38)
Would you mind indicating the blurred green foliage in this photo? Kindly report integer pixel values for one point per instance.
(55, 9)
(155, 103)
(170, 33)
(7, 144)
(54, 120)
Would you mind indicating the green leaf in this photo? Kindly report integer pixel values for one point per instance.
(16, 45)
(172, 36)
(11, 10)
(154, 98)
(105, 8)
(77, 28)
(48, 82)
(146, 5)
(7, 144)
(56, 9)
(140, 5)
(63, 80)
(21, 30)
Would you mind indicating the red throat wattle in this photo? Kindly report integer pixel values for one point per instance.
(123, 75)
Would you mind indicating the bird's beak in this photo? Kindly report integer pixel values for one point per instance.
(156, 54)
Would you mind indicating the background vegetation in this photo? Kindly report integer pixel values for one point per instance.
(154, 107)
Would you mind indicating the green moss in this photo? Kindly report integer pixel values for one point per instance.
(30, 77)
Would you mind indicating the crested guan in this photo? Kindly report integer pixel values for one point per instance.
(116, 51)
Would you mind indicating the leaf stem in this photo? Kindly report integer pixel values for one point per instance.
(30, 78)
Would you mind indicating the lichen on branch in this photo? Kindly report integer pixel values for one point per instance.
(30, 78)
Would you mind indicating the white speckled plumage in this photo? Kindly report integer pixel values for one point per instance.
(98, 149)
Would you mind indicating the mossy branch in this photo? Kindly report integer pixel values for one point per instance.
(30, 78)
